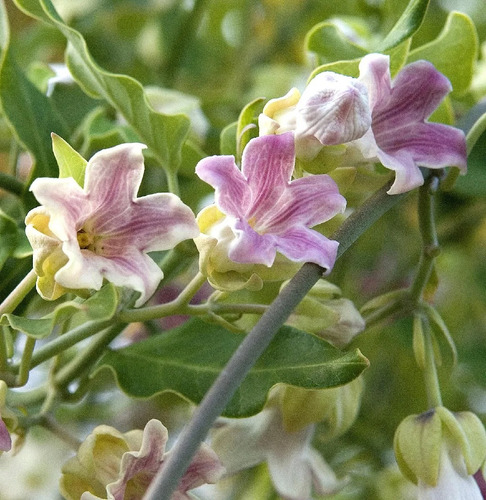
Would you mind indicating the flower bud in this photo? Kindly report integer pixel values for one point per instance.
(440, 451)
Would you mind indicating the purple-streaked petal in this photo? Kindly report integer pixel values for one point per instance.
(306, 245)
(334, 109)
(66, 202)
(306, 201)
(113, 177)
(140, 467)
(250, 247)
(267, 163)
(5, 439)
(374, 72)
(154, 222)
(407, 175)
(416, 92)
(432, 145)
(232, 193)
(205, 468)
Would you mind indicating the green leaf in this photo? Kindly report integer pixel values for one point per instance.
(227, 140)
(71, 163)
(406, 26)
(187, 359)
(99, 307)
(163, 134)
(329, 44)
(453, 52)
(247, 124)
(28, 112)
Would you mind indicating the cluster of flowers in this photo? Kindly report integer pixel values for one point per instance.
(259, 228)
(82, 235)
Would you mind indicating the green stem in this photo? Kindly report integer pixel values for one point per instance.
(50, 424)
(25, 362)
(68, 339)
(431, 378)
(88, 357)
(254, 344)
(3, 349)
(430, 244)
(176, 306)
(11, 184)
(172, 181)
(18, 293)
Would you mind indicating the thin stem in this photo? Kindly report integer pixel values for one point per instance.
(11, 184)
(25, 362)
(431, 378)
(254, 344)
(50, 424)
(172, 181)
(68, 339)
(430, 244)
(18, 293)
(3, 349)
(175, 306)
(88, 357)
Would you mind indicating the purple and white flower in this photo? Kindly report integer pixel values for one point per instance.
(82, 235)
(265, 211)
(400, 136)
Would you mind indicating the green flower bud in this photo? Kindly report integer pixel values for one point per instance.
(422, 442)
(336, 409)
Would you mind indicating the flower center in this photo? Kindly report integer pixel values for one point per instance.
(85, 239)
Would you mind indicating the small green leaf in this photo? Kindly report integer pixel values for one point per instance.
(227, 140)
(163, 134)
(99, 307)
(247, 124)
(71, 163)
(328, 43)
(9, 237)
(453, 52)
(187, 359)
(409, 22)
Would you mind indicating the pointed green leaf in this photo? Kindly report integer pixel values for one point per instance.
(163, 134)
(453, 52)
(9, 237)
(406, 26)
(71, 163)
(99, 307)
(227, 140)
(187, 359)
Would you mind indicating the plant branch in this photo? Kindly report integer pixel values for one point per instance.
(253, 346)
(18, 293)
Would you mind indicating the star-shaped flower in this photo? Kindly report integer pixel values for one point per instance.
(265, 211)
(400, 136)
(82, 235)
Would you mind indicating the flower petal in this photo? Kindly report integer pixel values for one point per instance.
(113, 177)
(267, 164)
(232, 193)
(250, 247)
(334, 109)
(307, 201)
(133, 269)
(66, 203)
(306, 245)
(151, 223)
(416, 92)
(140, 467)
(5, 439)
(374, 72)
(407, 175)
